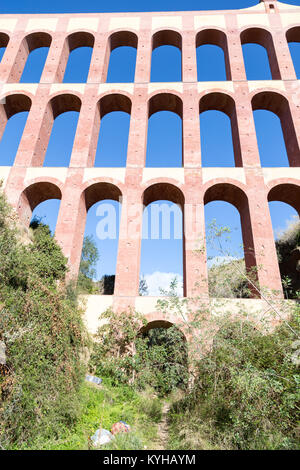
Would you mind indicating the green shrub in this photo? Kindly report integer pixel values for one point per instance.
(247, 394)
(125, 355)
(41, 326)
(152, 407)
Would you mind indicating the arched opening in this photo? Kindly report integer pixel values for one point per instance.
(165, 137)
(4, 39)
(212, 56)
(229, 240)
(218, 117)
(162, 350)
(122, 59)
(47, 213)
(103, 211)
(80, 48)
(113, 121)
(166, 62)
(36, 47)
(271, 146)
(13, 117)
(259, 55)
(284, 203)
(40, 200)
(293, 39)
(270, 139)
(162, 250)
(61, 120)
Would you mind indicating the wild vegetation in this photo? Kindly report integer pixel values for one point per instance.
(246, 393)
(42, 331)
(245, 388)
(228, 280)
(126, 354)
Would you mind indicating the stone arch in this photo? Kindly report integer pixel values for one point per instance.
(37, 39)
(122, 38)
(217, 101)
(293, 36)
(167, 37)
(80, 39)
(57, 105)
(236, 196)
(160, 320)
(29, 43)
(62, 103)
(263, 38)
(165, 102)
(107, 104)
(156, 324)
(287, 192)
(178, 352)
(4, 39)
(100, 191)
(74, 41)
(167, 191)
(218, 38)
(13, 104)
(33, 195)
(171, 193)
(92, 194)
(114, 102)
(160, 102)
(279, 105)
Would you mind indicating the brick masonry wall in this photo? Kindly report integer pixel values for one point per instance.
(248, 186)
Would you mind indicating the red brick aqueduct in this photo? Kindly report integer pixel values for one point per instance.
(248, 186)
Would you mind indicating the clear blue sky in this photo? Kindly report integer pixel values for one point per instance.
(164, 131)
(68, 6)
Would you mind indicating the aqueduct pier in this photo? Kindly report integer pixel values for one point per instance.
(247, 186)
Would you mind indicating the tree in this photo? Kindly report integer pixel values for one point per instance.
(143, 287)
(87, 272)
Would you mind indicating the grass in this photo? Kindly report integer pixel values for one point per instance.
(103, 406)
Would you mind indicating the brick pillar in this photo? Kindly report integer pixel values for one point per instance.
(290, 121)
(189, 58)
(58, 55)
(246, 126)
(86, 138)
(235, 51)
(14, 59)
(284, 58)
(100, 56)
(137, 140)
(191, 127)
(129, 250)
(37, 131)
(144, 52)
(268, 273)
(195, 267)
(71, 220)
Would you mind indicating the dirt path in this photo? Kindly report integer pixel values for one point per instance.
(161, 442)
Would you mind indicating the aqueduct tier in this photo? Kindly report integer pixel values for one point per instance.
(248, 186)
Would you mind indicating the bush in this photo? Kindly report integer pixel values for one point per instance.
(152, 407)
(246, 395)
(41, 326)
(125, 355)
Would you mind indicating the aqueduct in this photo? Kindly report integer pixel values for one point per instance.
(248, 186)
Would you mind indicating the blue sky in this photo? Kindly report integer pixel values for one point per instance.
(76, 6)
(164, 132)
